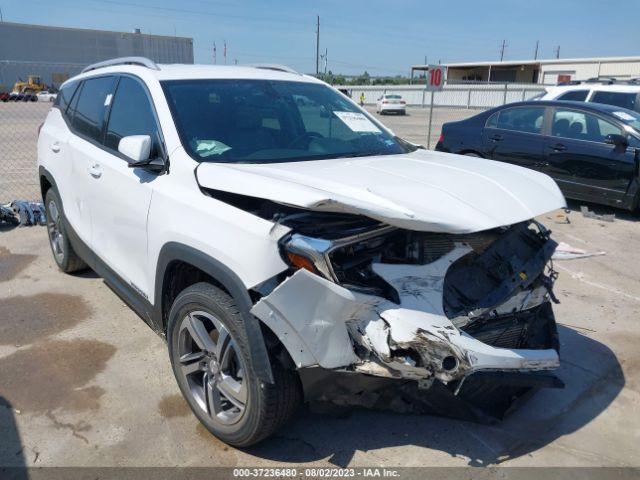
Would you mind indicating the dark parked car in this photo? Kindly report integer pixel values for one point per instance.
(591, 150)
(4, 97)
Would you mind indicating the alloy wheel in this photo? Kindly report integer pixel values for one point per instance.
(213, 366)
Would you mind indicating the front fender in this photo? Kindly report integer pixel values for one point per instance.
(173, 251)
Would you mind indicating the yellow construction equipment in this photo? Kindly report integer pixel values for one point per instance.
(32, 85)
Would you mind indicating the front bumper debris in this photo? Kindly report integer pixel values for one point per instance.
(472, 320)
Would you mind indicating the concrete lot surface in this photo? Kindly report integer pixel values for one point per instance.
(83, 381)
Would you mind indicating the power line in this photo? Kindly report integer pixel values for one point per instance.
(199, 12)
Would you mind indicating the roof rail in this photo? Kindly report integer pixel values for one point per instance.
(274, 66)
(602, 80)
(142, 61)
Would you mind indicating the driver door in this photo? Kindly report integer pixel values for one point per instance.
(583, 165)
(121, 199)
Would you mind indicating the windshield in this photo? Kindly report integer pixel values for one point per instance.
(629, 117)
(263, 121)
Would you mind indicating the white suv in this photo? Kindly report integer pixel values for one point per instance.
(291, 247)
(619, 95)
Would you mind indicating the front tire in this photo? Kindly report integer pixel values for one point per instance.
(210, 357)
(63, 253)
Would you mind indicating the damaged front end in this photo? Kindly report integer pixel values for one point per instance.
(446, 320)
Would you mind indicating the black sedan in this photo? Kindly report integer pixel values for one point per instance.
(591, 150)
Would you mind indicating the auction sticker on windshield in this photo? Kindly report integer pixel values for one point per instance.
(357, 122)
(624, 116)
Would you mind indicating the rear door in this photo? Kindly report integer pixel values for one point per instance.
(54, 153)
(578, 158)
(122, 195)
(514, 135)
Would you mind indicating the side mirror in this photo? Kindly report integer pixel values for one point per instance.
(136, 147)
(616, 139)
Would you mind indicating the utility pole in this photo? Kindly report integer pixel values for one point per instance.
(535, 55)
(1, 19)
(425, 60)
(318, 45)
(504, 44)
(558, 52)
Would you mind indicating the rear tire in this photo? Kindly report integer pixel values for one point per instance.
(210, 357)
(63, 253)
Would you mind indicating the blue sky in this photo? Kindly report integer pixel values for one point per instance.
(383, 37)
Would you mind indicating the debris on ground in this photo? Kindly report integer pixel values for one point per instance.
(607, 217)
(23, 213)
(564, 251)
(561, 218)
(7, 215)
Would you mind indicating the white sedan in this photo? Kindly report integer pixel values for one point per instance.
(391, 103)
(46, 96)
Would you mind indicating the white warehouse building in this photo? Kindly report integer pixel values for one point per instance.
(547, 72)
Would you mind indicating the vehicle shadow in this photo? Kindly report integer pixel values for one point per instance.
(574, 206)
(593, 379)
(12, 460)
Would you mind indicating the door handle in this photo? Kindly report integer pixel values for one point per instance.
(496, 138)
(95, 171)
(558, 147)
(541, 164)
(55, 147)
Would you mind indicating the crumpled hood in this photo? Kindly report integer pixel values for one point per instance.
(422, 190)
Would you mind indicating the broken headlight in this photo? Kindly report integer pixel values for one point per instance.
(346, 261)
(300, 251)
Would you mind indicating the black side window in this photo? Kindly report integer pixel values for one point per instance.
(88, 116)
(575, 95)
(521, 119)
(492, 121)
(619, 99)
(131, 114)
(65, 95)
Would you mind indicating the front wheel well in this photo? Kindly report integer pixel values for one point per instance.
(178, 276)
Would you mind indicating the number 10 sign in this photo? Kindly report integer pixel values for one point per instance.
(435, 77)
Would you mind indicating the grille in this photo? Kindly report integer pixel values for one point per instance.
(509, 332)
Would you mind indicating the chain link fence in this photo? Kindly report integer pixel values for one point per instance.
(19, 123)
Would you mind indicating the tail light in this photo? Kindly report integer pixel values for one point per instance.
(402, 102)
(441, 138)
(385, 101)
